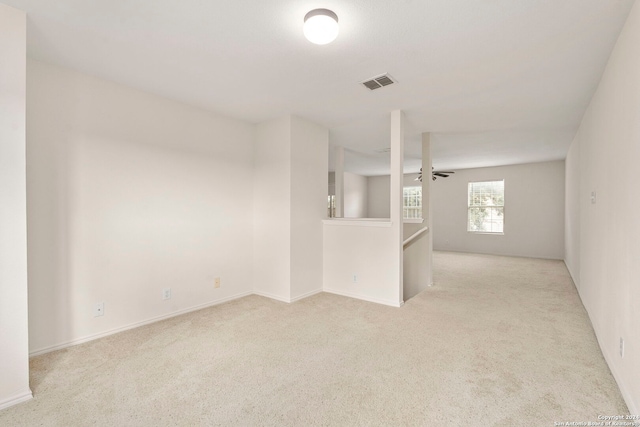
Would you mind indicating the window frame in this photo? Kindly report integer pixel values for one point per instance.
(469, 207)
(405, 207)
(331, 206)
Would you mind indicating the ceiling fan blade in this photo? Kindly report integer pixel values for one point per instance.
(443, 174)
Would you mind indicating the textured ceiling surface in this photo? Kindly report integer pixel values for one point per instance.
(496, 82)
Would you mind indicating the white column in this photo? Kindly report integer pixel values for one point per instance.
(272, 207)
(339, 182)
(14, 322)
(426, 199)
(309, 188)
(397, 178)
(290, 201)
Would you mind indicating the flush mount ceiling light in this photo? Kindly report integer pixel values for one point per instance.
(321, 26)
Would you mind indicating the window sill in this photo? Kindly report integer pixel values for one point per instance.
(486, 233)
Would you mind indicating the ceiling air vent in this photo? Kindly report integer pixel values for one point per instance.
(378, 82)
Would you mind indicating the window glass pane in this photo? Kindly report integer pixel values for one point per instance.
(412, 202)
(486, 207)
(331, 206)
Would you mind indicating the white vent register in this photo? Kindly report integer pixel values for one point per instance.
(378, 82)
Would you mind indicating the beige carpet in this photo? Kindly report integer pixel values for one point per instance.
(497, 341)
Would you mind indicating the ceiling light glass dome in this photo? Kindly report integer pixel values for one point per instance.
(321, 26)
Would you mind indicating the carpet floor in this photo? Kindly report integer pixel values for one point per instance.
(495, 341)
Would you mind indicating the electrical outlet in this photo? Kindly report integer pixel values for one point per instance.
(622, 347)
(98, 309)
(217, 283)
(355, 278)
(593, 197)
(166, 293)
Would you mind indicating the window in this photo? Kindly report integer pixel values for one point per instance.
(331, 206)
(412, 202)
(486, 207)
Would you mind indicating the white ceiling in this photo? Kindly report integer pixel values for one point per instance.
(496, 82)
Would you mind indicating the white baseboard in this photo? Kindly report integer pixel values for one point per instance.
(285, 299)
(364, 297)
(92, 337)
(306, 295)
(621, 380)
(272, 296)
(573, 277)
(14, 400)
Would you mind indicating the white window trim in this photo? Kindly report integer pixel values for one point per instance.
(408, 220)
(504, 225)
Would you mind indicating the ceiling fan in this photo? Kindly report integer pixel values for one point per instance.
(435, 174)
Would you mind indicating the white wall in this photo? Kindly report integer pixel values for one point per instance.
(378, 188)
(364, 251)
(128, 194)
(363, 258)
(332, 183)
(533, 213)
(290, 203)
(310, 144)
(355, 196)
(14, 347)
(605, 155)
(415, 261)
(272, 216)
(378, 193)
(572, 211)
(418, 254)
